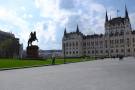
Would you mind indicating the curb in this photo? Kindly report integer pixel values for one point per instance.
(3, 69)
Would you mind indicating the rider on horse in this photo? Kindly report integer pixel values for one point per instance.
(32, 38)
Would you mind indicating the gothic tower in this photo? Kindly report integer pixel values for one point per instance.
(77, 29)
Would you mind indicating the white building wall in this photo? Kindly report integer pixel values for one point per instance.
(117, 40)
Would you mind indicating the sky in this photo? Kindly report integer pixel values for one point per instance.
(49, 18)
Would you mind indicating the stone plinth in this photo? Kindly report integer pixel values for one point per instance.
(32, 51)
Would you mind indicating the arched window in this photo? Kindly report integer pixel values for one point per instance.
(66, 44)
(73, 44)
(128, 50)
(70, 44)
(76, 43)
(117, 51)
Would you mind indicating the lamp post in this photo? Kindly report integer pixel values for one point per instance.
(64, 53)
(53, 58)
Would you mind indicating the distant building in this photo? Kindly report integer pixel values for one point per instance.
(118, 40)
(21, 51)
(9, 45)
(50, 53)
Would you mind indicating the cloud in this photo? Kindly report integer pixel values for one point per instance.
(55, 18)
(11, 17)
(132, 19)
(90, 18)
(56, 14)
(49, 18)
(60, 13)
(46, 34)
(48, 8)
(23, 8)
(67, 4)
(97, 7)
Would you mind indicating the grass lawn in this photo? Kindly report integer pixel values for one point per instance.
(9, 63)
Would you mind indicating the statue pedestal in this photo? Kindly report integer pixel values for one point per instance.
(32, 51)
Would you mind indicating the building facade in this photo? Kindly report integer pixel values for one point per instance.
(9, 45)
(118, 40)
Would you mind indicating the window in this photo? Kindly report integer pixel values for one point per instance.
(115, 41)
(66, 44)
(92, 43)
(70, 44)
(111, 51)
(121, 40)
(84, 44)
(127, 32)
(101, 51)
(76, 43)
(117, 50)
(96, 42)
(101, 42)
(73, 44)
(121, 33)
(133, 39)
(112, 41)
(128, 50)
(92, 51)
(106, 43)
(128, 45)
(87, 43)
(122, 50)
(96, 51)
(127, 40)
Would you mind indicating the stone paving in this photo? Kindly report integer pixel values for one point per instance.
(106, 74)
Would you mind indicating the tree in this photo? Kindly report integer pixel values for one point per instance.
(9, 47)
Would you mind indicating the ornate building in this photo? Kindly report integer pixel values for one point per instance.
(9, 45)
(118, 40)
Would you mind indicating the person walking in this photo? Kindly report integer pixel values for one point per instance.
(53, 59)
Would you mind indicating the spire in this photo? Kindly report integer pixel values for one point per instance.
(126, 12)
(77, 30)
(106, 17)
(65, 31)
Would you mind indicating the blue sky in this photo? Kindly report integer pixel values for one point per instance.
(49, 18)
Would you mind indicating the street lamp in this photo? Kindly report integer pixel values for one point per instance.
(64, 53)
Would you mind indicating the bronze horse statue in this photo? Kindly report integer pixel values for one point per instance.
(32, 38)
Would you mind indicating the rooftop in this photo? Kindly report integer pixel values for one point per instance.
(117, 20)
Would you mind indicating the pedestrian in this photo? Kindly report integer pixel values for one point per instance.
(120, 57)
(53, 59)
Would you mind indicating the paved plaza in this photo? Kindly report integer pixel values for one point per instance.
(106, 74)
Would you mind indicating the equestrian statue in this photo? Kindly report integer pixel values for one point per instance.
(32, 38)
